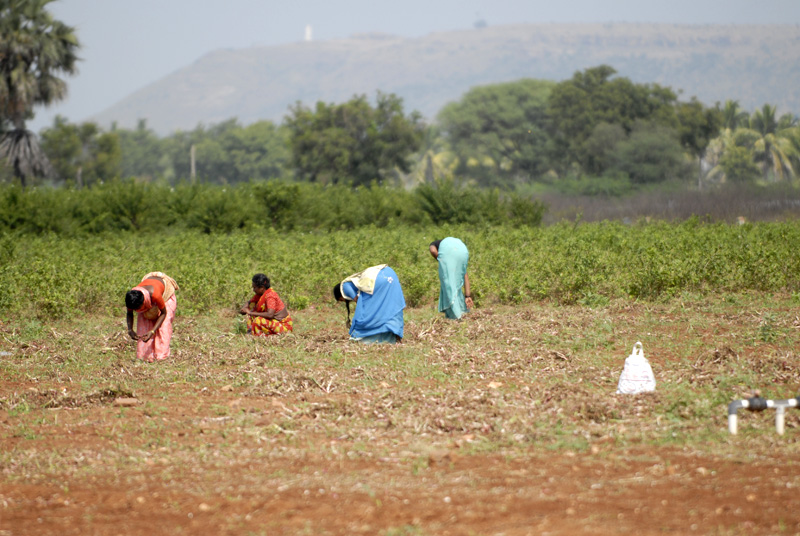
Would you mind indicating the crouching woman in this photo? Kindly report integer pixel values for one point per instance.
(379, 301)
(266, 313)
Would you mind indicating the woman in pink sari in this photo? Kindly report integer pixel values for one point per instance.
(155, 303)
(266, 313)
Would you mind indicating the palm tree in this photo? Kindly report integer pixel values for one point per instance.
(772, 147)
(733, 116)
(764, 120)
(787, 121)
(731, 156)
(793, 135)
(35, 50)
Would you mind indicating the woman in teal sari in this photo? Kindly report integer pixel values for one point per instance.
(452, 255)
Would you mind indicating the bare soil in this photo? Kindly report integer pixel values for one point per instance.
(503, 436)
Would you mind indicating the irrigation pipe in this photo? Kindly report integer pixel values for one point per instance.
(757, 403)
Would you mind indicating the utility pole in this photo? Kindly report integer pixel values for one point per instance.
(191, 156)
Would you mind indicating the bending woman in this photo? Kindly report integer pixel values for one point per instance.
(379, 304)
(453, 257)
(155, 303)
(266, 313)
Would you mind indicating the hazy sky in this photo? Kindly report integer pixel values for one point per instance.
(126, 45)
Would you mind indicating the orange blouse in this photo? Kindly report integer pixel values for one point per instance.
(268, 300)
(157, 296)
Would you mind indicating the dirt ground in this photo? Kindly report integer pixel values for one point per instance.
(327, 488)
(196, 455)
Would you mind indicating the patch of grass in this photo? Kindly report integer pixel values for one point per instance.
(767, 330)
(24, 431)
(405, 530)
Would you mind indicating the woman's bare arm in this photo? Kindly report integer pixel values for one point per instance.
(467, 292)
(129, 319)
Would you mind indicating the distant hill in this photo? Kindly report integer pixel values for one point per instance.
(751, 64)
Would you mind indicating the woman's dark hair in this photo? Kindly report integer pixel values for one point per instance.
(337, 295)
(261, 280)
(134, 299)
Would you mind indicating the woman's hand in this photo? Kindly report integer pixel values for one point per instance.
(469, 302)
(133, 334)
(149, 335)
(244, 310)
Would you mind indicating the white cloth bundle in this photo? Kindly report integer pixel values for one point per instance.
(637, 375)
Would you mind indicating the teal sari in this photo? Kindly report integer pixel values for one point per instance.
(453, 258)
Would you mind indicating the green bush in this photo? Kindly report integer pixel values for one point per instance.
(132, 205)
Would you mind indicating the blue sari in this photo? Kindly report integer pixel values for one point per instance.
(378, 316)
(453, 258)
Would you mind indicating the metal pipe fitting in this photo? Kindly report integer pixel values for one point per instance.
(757, 403)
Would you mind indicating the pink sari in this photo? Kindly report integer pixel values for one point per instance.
(157, 348)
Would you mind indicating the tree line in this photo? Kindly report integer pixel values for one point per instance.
(594, 126)
(596, 129)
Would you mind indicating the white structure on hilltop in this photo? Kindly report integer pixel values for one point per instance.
(308, 32)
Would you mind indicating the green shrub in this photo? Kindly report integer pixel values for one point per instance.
(131, 205)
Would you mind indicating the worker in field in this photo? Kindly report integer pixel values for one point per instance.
(266, 312)
(453, 257)
(154, 302)
(379, 301)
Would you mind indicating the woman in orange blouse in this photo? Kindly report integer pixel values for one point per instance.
(266, 313)
(155, 303)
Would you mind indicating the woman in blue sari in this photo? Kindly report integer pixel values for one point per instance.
(453, 257)
(379, 304)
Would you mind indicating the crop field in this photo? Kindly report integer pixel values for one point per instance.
(506, 422)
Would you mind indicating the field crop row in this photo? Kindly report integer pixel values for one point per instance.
(589, 264)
